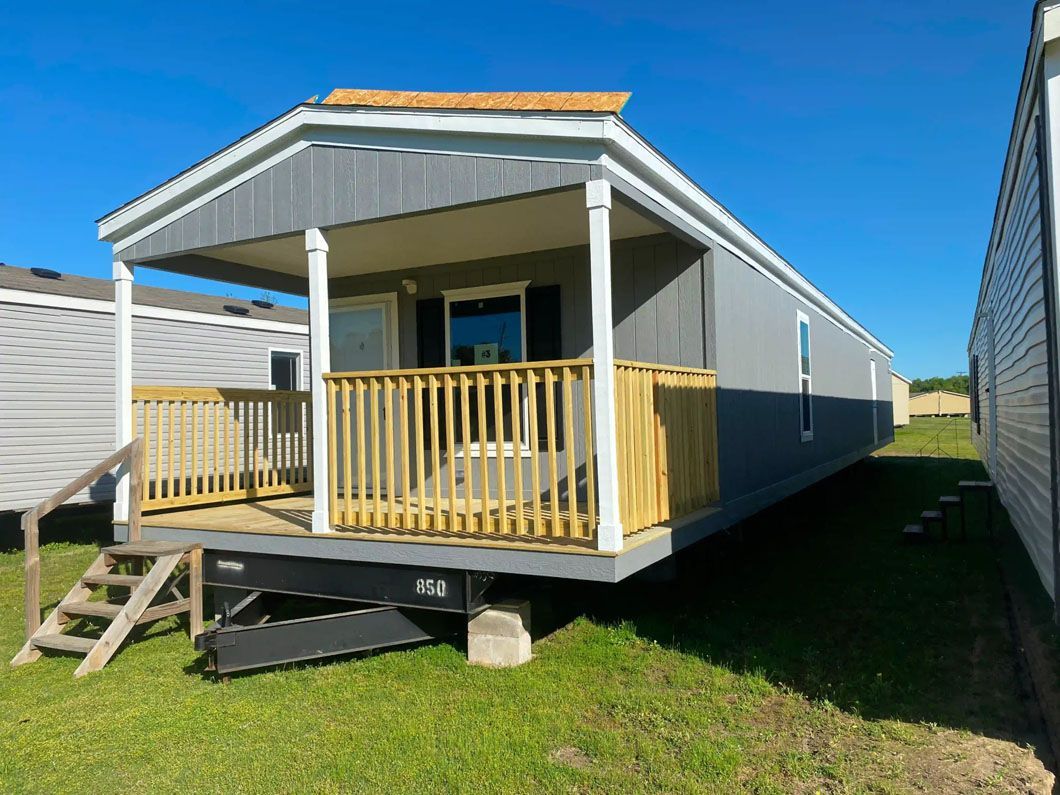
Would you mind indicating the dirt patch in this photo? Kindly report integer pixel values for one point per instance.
(569, 756)
(909, 757)
(957, 762)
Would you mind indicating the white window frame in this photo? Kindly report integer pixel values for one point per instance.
(492, 291)
(389, 302)
(801, 317)
(297, 353)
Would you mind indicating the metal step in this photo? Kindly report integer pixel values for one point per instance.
(931, 516)
(100, 609)
(70, 643)
(949, 502)
(117, 580)
(976, 485)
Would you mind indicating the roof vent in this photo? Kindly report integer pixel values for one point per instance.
(236, 310)
(46, 273)
(260, 302)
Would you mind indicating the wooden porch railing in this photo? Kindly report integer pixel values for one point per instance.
(391, 432)
(209, 445)
(131, 455)
(667, 441)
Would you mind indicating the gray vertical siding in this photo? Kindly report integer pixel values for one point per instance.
(758, 379)
(329, 185)
(661, 321)
(1015, 297)
(57, 387)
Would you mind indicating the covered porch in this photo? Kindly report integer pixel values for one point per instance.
(500, 353)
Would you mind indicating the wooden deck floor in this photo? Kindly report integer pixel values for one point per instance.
(292, 516)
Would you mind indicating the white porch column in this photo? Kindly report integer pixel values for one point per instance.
(316, 246)
(123, 280)
(598, 202)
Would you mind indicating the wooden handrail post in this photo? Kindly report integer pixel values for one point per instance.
(136, 494)
(30, 531)
(128, 457)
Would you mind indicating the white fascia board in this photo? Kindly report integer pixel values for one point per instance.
(73, 303)
(193, 177)
(275, 134)
(1051, 22)
(631, 158)
(901, 377)
(634, 160)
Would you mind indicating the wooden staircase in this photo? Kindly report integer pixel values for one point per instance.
(917, 532)
(142, 605)
(154, 594)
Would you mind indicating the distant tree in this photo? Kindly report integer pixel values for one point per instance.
(954, 383)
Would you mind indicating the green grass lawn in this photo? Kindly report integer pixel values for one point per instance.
(811, 651)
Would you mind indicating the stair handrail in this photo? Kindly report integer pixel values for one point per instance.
(131, 453)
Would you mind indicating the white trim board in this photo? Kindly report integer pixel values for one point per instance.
(624, 151)
(73, 303)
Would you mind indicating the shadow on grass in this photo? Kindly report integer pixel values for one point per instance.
(74, 524)
(819, 595)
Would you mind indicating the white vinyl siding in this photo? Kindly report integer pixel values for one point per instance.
(57, 387)
(1013, 303)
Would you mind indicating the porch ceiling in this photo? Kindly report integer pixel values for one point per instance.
(537, 223)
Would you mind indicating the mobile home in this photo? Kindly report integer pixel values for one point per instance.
(940, 403)
(900, 399)
(538, 348)
(58, 340)
(1012, 346)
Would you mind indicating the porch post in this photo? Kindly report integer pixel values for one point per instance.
(598, 202)
(316, 246)
(123, 415)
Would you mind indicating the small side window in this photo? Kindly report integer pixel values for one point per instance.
(283, 370)
(805, 377)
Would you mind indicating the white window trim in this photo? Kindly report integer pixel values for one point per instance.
(492, 291)
(387, 300)
(800, 318)
(298, 366)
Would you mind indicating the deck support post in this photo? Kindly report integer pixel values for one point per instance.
(124, 430)
(316, 246)
(598, 202)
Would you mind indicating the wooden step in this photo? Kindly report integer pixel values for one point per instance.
(101, 609)
(931, 516)
(976, 484)
(148, 549)
(949, 502)
(117, 580)
(72, 643)
(913, 532)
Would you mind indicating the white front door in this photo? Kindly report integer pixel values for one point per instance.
(363, 337)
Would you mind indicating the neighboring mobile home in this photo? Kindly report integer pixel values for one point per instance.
(1012, 346)
(940, 403)
(900, 399)
(57, 367)
(538, 348)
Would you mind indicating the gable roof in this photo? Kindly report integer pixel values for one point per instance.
(15, 278)
(602, 140)
(584, 101)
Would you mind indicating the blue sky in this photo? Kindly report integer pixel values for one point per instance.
(863, 141)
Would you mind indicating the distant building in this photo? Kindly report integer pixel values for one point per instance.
(900, 399)
(939, 403)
